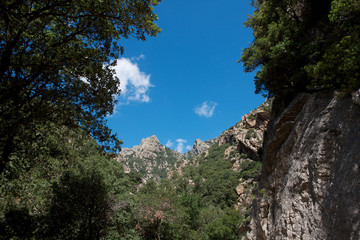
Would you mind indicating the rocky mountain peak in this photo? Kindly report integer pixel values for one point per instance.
(151, 143)
(152, 159)
(199, 147)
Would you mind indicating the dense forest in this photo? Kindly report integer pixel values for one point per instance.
(70, 189)
(59, 179)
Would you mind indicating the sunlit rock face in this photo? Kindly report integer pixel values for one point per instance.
(152, 159)
(199, 147)
(310, 183)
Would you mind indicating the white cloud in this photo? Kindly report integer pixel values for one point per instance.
(134, 84)
(206, 109)
(142, 56)
(169, 144)
(180, 145)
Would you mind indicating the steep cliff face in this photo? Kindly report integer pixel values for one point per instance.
(310, 184)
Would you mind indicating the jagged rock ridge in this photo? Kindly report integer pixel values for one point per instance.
(155, 161)
(152, 159)
(199, 147)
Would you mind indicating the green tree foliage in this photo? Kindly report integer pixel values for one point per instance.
(80, 207)
(157, 212)
(55, 66)
(250, 169)
(302, 45)
(220, 180)
(339, 65)
(70, 189)
(199, 203)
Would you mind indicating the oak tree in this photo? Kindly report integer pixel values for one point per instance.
(55, 64)
(304, 45)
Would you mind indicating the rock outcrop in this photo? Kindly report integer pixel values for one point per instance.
(310, 184)
(199, 147)
(152, 159)
(248, 134)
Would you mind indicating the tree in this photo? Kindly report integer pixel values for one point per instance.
(67, 190)
(80, 207)
(156, 212)
(304, 45)
(56, 64)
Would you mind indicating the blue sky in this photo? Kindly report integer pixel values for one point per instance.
(186, 83)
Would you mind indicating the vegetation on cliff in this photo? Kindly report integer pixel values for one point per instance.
(304, 45)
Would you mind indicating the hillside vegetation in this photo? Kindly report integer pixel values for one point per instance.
(71, 189)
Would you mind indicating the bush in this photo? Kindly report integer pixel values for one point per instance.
(250, 169)
(250, 133)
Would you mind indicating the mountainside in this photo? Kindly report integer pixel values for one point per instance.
(155, 161)
(152, 159)
(310, 183)
(241, 146)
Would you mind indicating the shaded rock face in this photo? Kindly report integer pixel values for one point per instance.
(310, 184)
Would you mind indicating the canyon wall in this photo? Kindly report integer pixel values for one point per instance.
(310, 182)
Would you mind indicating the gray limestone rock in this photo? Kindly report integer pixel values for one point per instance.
(199, 147)
(152, 159)
(311, 176)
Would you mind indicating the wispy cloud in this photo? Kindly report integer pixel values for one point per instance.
(169, 144)
(206, 109)
(134, 84)
(180, 145)
(142, 56)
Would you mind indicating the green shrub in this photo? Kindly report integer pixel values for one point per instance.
(250, 169)
(243, 155)
(252, 116)
(250, 133)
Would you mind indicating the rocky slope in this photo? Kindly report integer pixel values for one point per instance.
(310, 184)
(152, 159)
(247, 135)
(239, 145)
(199, 147)
(155, 161)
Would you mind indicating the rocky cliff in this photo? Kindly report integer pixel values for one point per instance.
(310, 183)
(248, 134)
(199, 147)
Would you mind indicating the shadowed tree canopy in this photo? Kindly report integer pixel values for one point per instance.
(304, 45)
(55, 64)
